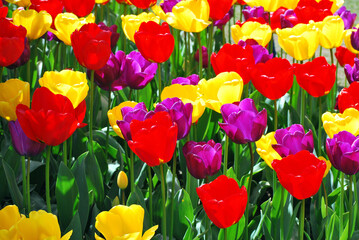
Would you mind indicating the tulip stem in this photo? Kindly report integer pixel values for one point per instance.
(47, 179)
(164, 224)
(225, 233)
(275, 115)
(320, 128)
(301, 223)
(28, 186)
(236, 160)
(150, 193)
(302, 112)
(187, 53)
(92, 87)
(159, 81)
(249, 188)
(200, 55)
(70, 150)
(341, 206)
(281, 232)
(325, 198)
(24, 181)
(209, 49)
(64, 152)
(108, 124)
(334, 89)
(226, 143)
(132, 175)
(173, 191)
(350, 206)
(1, 72)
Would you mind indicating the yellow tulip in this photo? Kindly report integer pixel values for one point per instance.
(12, 93)
(41, 226)
(67, 23)
(348, 42)
(72, 84)
(187, 15)
(273, 5)
(122, 180)
(188, 94)
(300, 42)
(329, 165)
(331, 32)
(102, 1)
(131, 23)
(36, 23)
(115, 114)
(337, 122)
(20, 3)
(225, 88)
(123, 222)
(265, 149)
(262, 33)
(9, 217)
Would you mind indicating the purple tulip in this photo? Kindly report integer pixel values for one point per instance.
(180, 113)
(260, 53)
(287, 19)
(138, 112)
(343, 152)
(347, 16)
(255, 12)
(22, 144)
(190, 80)
(24, 58)
(204, 56)
(354, 39)
(293, 139)
(221, 22)
(203, 159)
(167, 5)
(114, 34)
(352, 73)
(242, 122)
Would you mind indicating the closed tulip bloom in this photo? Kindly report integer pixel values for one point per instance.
(300, 42)
(274, 78)
(225, 88)
(352, 71)
(272, 6)
(261, 33)
(354, 38)
(155, 42)
(115, 114)
(9, 217)
(143, 4)
(343, 152)
(283, 18)
(221, 22)
(92, 46)
(80, 8)
(24, 58)
(154, 140)
(204, 56)
(52, 118)
(293, 139)
(131, 23)
(349, 97)
(316, 77)
(114, 34)
(315, 10)
(348, 40)
(265, 150)
(347, 16)
(20, 3)
(337, 122)
(255, 12)
(300, 174)
(36, 23)
(188, 94)
(69, 83)
(12, 93)
(67, 23)
(344, 56)
(12, 39)
(223, 201)
(261, 54)
(242, 122)
(123, 222)
(190, 80)
(219, 8)
(53, 7)
(203, 158)
(122, 180)
(3, 10)
(331, 32)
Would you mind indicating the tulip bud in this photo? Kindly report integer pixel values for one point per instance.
(122, 180)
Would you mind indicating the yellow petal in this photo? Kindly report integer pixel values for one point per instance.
(348, 42)
(115, 114)
(9, 216)
(273, 5)
(149, 233)
(131, 23)
(331, 32)
(337, 122)
(261, 33)
(265, 150)
(329, 165)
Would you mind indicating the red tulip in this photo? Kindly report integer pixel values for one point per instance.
(316, 77)
(241, 2)
(275, 18)
(349, 97)
(154, 41)
(307, 10)
(52, 119)
(3, 10)
(219, 8)
(92, 46)
(143, 4)
(344, 56)
(273, 78)
(12, 42)
(154, 140)
(53, 7)
(223, 201)
(80, 8)
(233, 57)
(301, 174)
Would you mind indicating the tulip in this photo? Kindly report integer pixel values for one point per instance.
(307, 10)
(272, 6)
(190, 80)
(261, 33)
(331, 32)
(80, 8)
(154, 140)
(143, 4)
(12, 93)
(223, 201)
(349, 97)
(348, 40)
(36, 23)
(283, 18)
(219, 8)
(67, 23)
(72, 84)
(3, 10)
(20, 3)
(343, 152)
(114, 34)
(260, 54)
(337, 4)
(354, 38)
(188, 94)
(265, 150)
(300, 42)
(344, 56)
(53, 7)
(203, 159)
(12, 39)
(122, 180)
(180, 113)
(52, 118)
(300, 174)
(337, 122)
(242, 122)
(115, 114)
(204, 56)
(24, 58)
(124, 2)
(92, 46)
(225, 88)
(167, 5)
(316, 77)
(155, 42)
(255, 12)
(131, 23)
(347, 16)
(273, 78)
(293, 139)
(123, 222)
(221, 22)
(102, 2)
(9, 217)
(241, 2)
(352, 73)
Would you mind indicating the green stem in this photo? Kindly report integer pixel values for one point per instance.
(64, 152)
(28, 72)
(164, 224)
(70, 151)
(28, 185)
(200, 55)
(249, 188)
(209, 49)
(341, 206)
(23, 164)
(334, 90)
(236, 159)
(281, 232)
(226, 143)
(47, 179)
(187, 53)
(301, 224)
(302, 112)
(92, 87)
(223, 36)
(275, 115)
(225, 233)
(173, 192)
(325, 199)
(1, 72)
(150, 193)
(240, 14)
(124, 198)
(320, 128)
(159, 81)
(108, 124)
(350, 206)
(132, 174)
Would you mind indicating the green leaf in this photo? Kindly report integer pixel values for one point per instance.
(15, 193)
(94, 178)
(183, 210)
(137, 197)
(75, 226)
